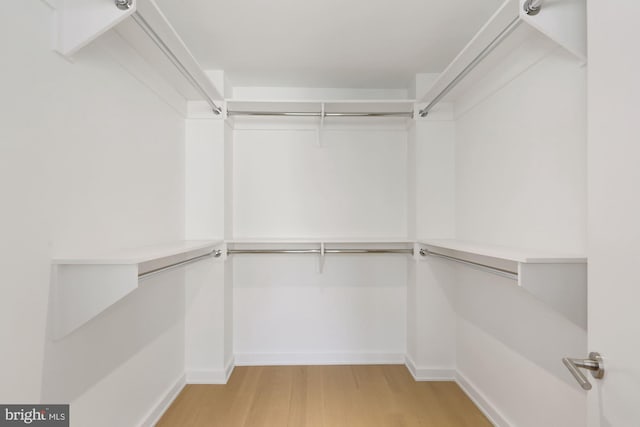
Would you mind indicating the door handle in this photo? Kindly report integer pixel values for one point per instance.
(594, 364)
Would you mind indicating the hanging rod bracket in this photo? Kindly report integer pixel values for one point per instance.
(532, 7)
(124, 4)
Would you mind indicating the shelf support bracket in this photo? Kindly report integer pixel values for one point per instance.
(532, 7)
(321, 259)
(321, 125)
(124, 4)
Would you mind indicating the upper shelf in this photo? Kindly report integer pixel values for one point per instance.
(559, 23)
(318, 240)
(79, 22)
(146, 31)
(402, 108)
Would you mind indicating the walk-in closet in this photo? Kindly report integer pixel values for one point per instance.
(338, 213)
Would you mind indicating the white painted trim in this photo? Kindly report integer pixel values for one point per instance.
(428, 374)
(154, 415)
(219, 376)
(488, 409)
(274, 359)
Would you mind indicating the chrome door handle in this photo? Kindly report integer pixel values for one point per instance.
(594, 364)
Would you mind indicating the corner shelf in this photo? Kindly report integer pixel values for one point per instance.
(559, 280)
(85, 286)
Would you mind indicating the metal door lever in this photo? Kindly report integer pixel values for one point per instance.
(594, 364)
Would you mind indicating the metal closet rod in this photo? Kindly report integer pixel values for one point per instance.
(216, 253)
(319, 251)
(320, 114)
(484, 267)
(466, 70)
(144, 25)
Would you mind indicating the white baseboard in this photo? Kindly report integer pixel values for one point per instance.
(220, 376)
(487, 408)
(275, 359)
(428, 374)
(163, 403)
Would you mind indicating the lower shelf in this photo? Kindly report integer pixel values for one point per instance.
(558, 280)
(83, 287)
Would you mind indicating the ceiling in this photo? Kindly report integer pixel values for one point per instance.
(329, 43)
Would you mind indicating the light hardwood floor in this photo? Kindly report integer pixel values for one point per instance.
(323, 396)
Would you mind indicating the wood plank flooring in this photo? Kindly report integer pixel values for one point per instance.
(323, 396)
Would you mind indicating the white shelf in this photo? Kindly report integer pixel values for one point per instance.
(503, 252)
(557, 279)
(84, 286)
(315, 105)
(560, 24)
(81, 22)
(318, 240)
(142, 255)
(324, 105)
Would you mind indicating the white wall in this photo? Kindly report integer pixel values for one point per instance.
(208, 291)
(287, 185)
(435, 178)
(510, 346)
(207, 304)
(352, 185)
(614, 209)
(286, 312)
(204, 179)
(521, 161)
(430, 288)
(521, 181)
(90, 160)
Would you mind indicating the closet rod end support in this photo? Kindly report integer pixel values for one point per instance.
(423, 112)
(124, 4)
(532, 7)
